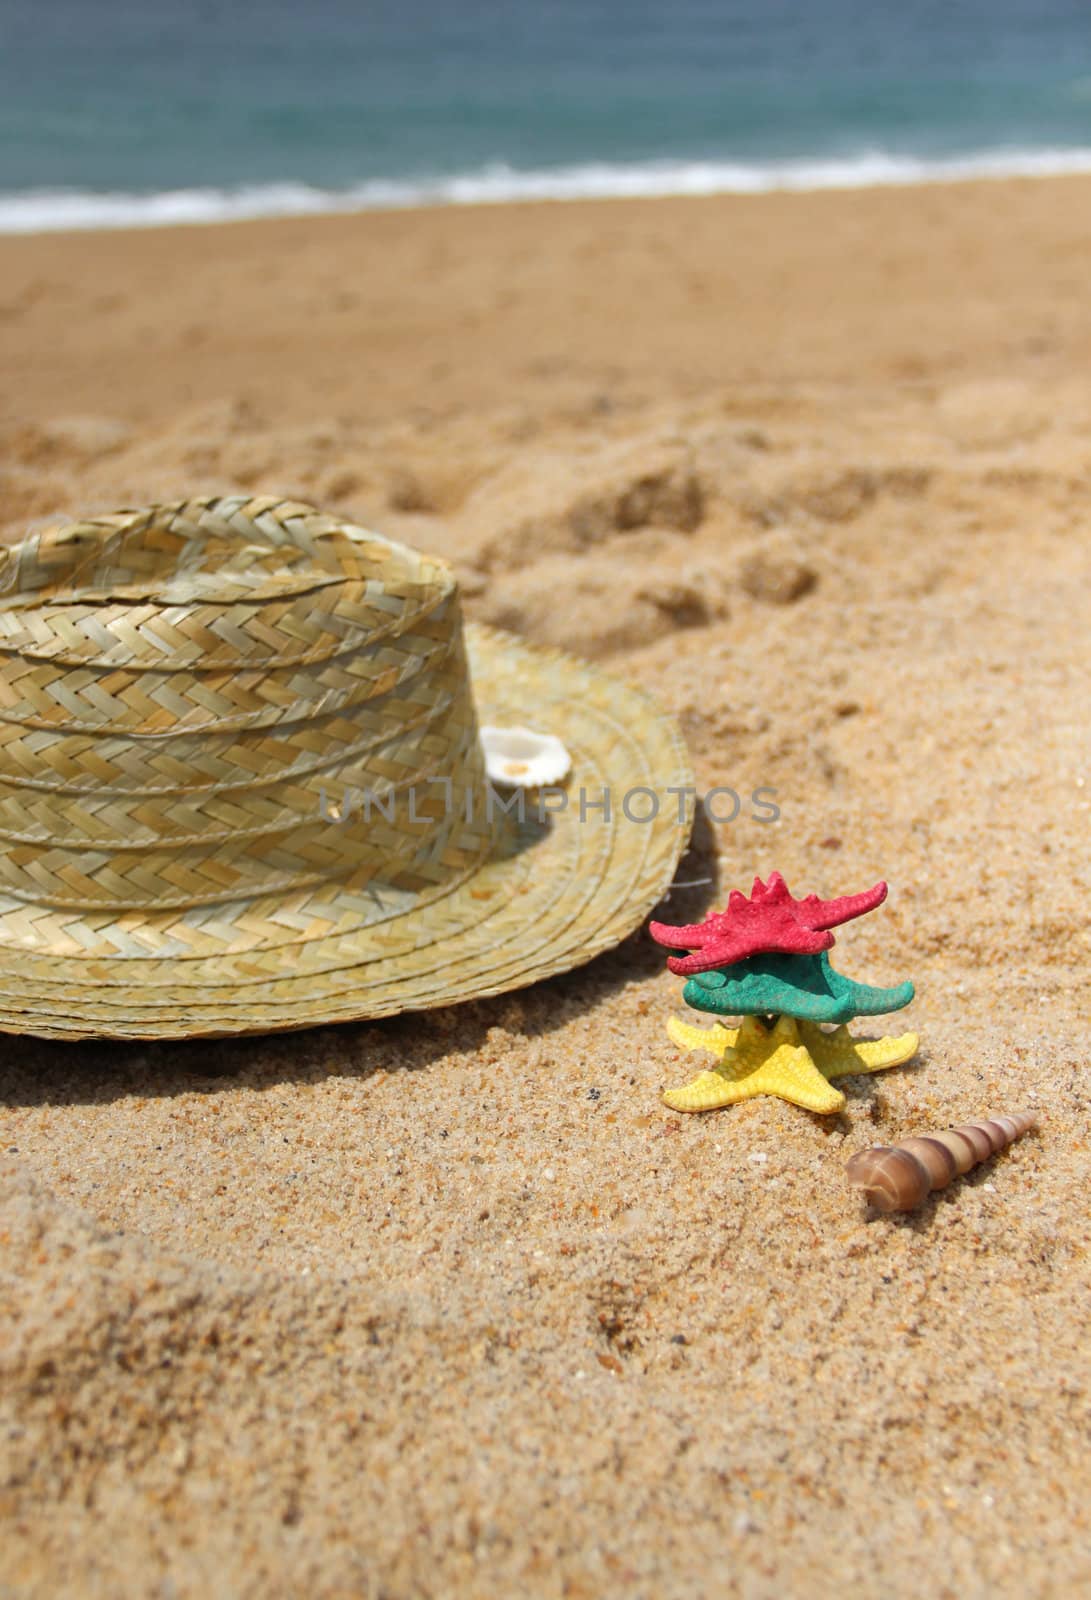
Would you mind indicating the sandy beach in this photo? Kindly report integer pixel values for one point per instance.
(453, 1304)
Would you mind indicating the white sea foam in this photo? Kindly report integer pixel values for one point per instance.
(49, 211)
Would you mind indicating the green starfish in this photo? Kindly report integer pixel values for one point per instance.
(804, 986)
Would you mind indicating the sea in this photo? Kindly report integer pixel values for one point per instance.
(130, 112)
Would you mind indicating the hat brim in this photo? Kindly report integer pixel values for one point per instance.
(573, 886)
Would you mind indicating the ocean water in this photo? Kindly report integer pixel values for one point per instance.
(120, 112)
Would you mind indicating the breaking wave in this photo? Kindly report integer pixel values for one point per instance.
(48, 211)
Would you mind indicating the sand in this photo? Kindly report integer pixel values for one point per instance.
(452, 1304)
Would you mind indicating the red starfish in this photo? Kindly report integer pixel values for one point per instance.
(769, 921)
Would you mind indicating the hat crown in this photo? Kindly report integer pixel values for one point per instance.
(189, 694)
(121, 590)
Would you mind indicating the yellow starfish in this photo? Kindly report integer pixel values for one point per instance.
(715, 1039)
(838, 1054)
(793, 1060)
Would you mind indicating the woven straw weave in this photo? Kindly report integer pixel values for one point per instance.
(187, 694)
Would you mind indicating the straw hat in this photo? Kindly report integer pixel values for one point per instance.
(242, 789)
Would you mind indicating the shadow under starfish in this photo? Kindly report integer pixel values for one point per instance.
(793, 1059)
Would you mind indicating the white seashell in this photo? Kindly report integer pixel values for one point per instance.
(522, 759)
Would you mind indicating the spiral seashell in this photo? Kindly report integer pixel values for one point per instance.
(899, 1177)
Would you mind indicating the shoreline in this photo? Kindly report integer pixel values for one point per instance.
(35, 212)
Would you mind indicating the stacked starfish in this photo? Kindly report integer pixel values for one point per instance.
(764, 960)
